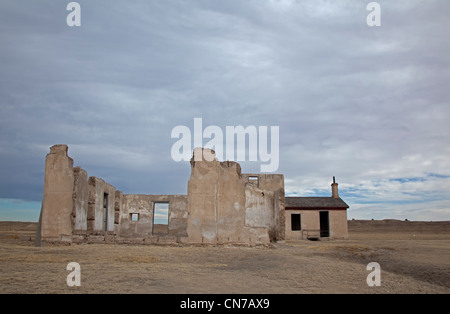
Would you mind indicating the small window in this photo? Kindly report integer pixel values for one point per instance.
(253, 180)
(296, 222)
(105, 200)
(134, 217)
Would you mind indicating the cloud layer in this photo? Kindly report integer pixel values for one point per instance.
(366, 104)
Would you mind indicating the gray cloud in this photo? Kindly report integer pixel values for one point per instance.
(365, 104)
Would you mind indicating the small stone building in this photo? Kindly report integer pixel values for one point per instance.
(222, 206)
(316, 217)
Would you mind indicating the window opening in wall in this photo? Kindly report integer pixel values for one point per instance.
(105, 212)
(296, 222)
(134, 217)
(160, 218)
(254, 180)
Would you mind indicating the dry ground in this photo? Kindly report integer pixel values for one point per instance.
(414, 258)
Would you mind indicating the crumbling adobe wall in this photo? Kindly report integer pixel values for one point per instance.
(80, 201)
(118, 201)
(100, 213)
(143, 206)
(225, 208)
(265, 203)
(202, 201)
(136, 204)
(178, 215)
(260, 210)
(221, 206)
(55, 223)
(72, 204)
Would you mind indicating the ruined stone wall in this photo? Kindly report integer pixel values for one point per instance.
(80, 201)
(101, 209)
(143, 206)
(55, 222)
(178, 215)
(259, 209)
(72, 204)
(118, 201)
(265, 203)
(224, 207)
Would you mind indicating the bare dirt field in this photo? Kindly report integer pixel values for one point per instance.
(414, 258)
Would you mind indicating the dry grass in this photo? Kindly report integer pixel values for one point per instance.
(136, 259)
(409, 265)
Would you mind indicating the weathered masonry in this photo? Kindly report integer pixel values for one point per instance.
(222, 206)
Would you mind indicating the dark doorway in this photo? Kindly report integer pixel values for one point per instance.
(295, 222)
(105, 212)
(324, 225)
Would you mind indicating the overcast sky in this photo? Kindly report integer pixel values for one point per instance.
(369, 105)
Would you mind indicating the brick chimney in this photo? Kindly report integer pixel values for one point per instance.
(334, 189)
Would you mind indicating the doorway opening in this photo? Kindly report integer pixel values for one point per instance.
(105, 212)
(296, 222)
(324, 224)
(160, 218)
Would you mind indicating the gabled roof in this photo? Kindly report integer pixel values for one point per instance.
(314, 202)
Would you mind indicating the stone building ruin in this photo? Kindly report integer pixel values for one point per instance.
(222, 206)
